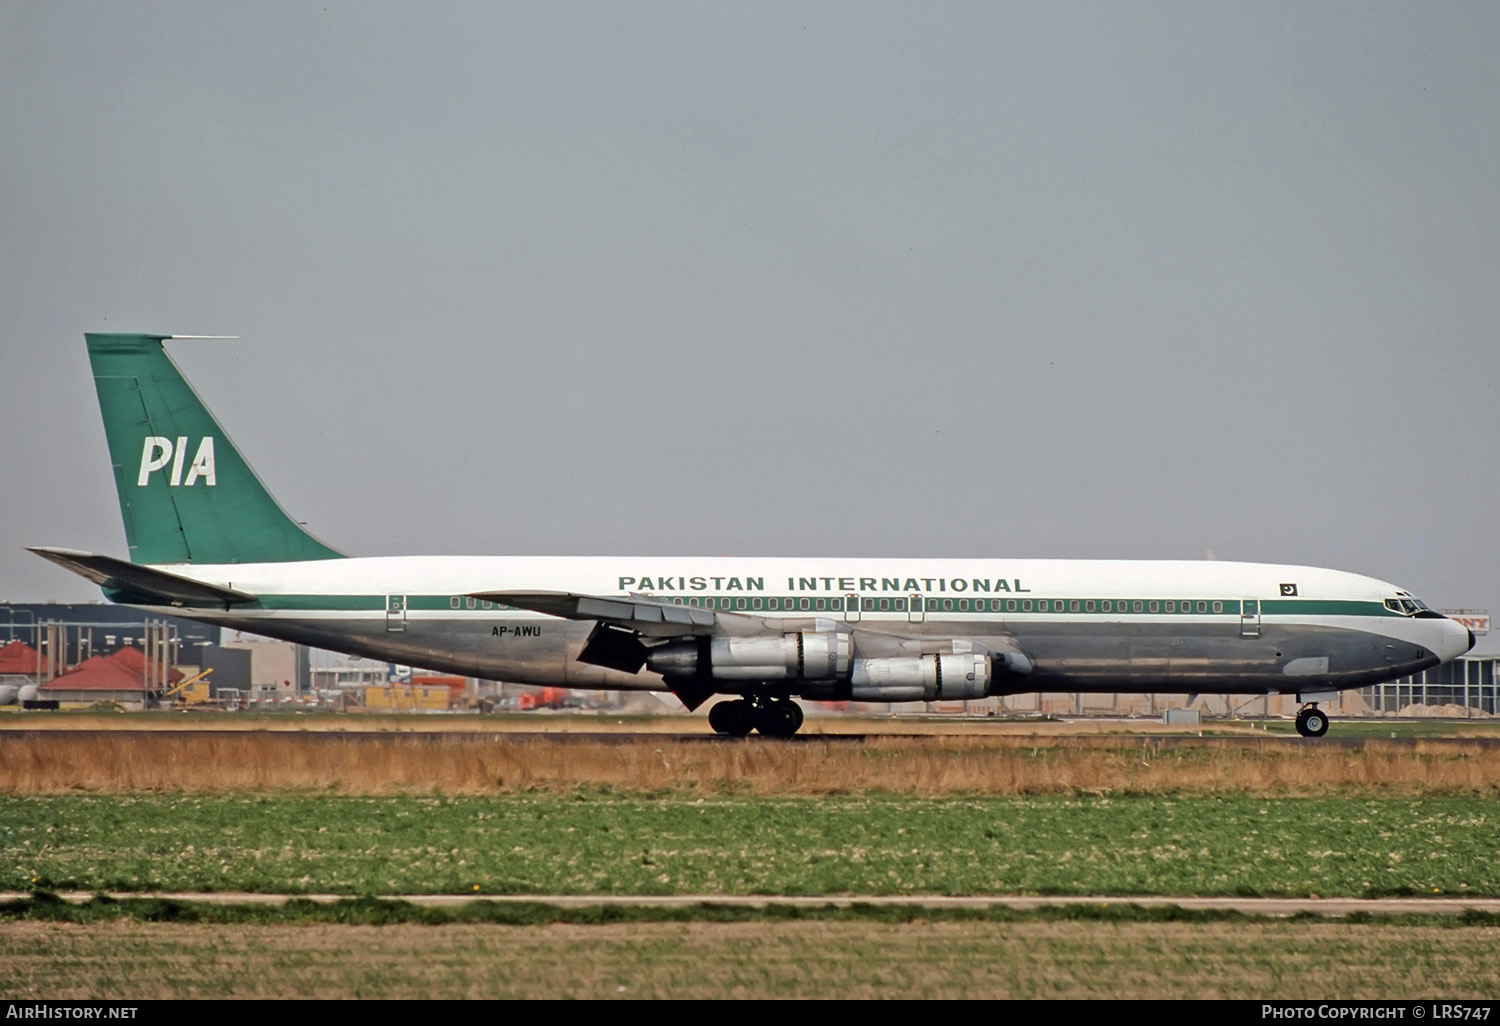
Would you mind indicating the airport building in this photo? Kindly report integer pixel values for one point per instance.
(85, 629)
(47, 647)
(80, 653)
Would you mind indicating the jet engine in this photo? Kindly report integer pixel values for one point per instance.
(921, 678)
(804, 655)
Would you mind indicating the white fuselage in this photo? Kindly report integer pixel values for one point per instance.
(1086, 624)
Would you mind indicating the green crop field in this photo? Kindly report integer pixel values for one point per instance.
(1296, 960)
(371, 814)
(607, 844)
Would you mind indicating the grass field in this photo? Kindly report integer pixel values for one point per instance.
(339, 805)
(614, 843)
(63, 761)
(819, 959)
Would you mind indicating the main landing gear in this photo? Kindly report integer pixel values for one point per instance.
(1312, 721)
(773, 717)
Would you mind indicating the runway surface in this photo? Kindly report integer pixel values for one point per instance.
(1264, 907)
(439, 737)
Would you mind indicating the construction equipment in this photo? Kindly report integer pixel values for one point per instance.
(194, 690)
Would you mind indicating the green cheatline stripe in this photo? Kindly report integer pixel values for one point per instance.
(786, 604)
(1284, 607)
(342, 603)
(369, 603)
(360, 603)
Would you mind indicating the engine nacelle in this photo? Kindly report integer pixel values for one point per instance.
(921, 678)
(804, 655)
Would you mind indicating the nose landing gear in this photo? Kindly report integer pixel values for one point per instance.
(773, 717)
(1312, 721)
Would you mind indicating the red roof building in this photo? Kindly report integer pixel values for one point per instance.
(119, 677)
(18, 658)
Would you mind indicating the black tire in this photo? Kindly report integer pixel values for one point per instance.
(780, 718)
(1312, 723)
(731, 718)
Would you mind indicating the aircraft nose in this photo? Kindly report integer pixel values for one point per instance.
(1452, 639)
(1457, 639)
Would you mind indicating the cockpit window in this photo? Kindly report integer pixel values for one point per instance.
(1406, 605)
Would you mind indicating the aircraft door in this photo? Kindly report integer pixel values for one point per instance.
(851, 608)
(916, 609)
(395, 613)
(1250, 618)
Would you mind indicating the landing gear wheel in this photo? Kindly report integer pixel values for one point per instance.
(1312, 722)
(779, 717)
(732, 718)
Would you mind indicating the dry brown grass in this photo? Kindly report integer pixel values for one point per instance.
(1283, 961)
(52, 762)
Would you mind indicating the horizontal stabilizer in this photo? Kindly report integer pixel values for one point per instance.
(643, 614)
(142, 584)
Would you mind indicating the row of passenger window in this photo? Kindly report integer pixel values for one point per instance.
(1075, 605)
(963, 605)
(835, 604)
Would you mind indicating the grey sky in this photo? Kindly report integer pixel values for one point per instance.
(1074, 280)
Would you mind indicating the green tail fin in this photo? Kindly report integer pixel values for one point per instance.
(186, 493)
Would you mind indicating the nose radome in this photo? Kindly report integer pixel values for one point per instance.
(1453, 639)
(1457, 640)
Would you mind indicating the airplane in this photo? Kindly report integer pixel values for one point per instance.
(207, 541)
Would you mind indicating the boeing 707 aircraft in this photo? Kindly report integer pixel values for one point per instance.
(208, 542)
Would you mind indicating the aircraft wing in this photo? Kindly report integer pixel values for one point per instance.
(645, 615)
(624, 624)
(620, 624)
(142, 584)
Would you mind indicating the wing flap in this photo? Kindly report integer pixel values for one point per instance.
(644, 614)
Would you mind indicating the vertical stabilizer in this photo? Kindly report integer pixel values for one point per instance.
(186, 493)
